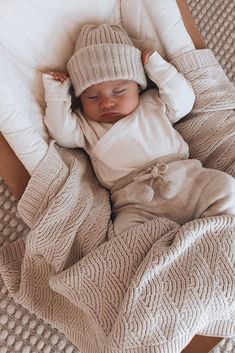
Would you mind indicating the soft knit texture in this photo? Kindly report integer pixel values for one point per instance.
(104, 53)
(134, 292)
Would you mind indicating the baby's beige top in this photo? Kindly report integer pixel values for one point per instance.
(144, 135)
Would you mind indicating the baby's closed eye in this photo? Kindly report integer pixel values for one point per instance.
(120, 91)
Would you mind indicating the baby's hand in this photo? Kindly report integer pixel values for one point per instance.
(146, 53)
(59, 76)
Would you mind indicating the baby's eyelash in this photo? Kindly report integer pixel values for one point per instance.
(92, 97)
(120, 91)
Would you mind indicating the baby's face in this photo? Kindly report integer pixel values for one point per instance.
(110, 101)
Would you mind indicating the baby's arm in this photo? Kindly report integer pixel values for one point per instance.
(174, 90)
(62, 123)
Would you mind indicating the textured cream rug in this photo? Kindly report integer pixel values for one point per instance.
(21, 331)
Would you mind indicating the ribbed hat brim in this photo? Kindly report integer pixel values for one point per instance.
(105, 62)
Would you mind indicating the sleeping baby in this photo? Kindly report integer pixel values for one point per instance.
(127, 130)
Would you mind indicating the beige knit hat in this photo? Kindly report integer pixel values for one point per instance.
(104, 53)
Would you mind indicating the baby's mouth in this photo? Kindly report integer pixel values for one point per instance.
(110, 116)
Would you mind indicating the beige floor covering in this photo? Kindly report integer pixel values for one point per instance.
(23, 332)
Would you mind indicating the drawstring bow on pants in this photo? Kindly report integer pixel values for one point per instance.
(155, 174)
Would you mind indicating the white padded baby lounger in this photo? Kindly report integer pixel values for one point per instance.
(42, 37)
(96, 290)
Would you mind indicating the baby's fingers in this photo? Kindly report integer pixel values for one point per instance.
(146, 53)
(59, 76)
(62, 76)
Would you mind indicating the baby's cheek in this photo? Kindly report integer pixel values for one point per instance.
(133, 101)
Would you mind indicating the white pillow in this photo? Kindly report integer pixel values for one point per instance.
(40, 34)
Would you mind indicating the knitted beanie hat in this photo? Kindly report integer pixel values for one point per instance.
(104, 53)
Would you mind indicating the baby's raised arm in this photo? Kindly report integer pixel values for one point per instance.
(61, 121)
(174, 90)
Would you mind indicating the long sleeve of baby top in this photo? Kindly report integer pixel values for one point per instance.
(175, 91)
(62, 123)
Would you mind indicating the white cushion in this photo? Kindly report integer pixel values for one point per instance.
(40, 34)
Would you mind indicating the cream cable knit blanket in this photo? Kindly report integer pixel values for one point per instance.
(153, 287)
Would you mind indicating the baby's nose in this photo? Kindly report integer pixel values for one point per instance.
(106, 103)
